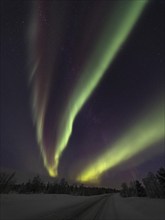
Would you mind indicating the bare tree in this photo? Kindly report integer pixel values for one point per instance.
(6, 182)
(152, 186)
(161, 179)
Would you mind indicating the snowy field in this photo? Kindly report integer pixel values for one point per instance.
(58, 207)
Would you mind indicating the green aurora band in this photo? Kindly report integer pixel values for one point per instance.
(114, 34)
(147, 132)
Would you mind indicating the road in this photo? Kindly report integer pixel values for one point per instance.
(68, 207)
(109, 207)
(87, 210)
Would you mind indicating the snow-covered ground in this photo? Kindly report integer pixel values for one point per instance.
(103, 207)
(20, 206)
(134, 208)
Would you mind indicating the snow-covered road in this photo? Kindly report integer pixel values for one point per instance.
(88, 209)
(67, 207)
(111, 207)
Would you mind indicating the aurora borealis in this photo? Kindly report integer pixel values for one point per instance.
(128, 146)
(85, 100)
(117, 28)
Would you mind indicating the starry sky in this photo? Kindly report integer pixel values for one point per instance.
(82, 89)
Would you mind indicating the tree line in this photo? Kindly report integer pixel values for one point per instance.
(153, 186)
(36, 185)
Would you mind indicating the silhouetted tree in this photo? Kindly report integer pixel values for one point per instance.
(125, 190)
(161, 179)
(7, 182)
(37, 185)
(132, 189)
(152, 186)
(140, 191)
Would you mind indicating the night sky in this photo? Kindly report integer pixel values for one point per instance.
(82, 89)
